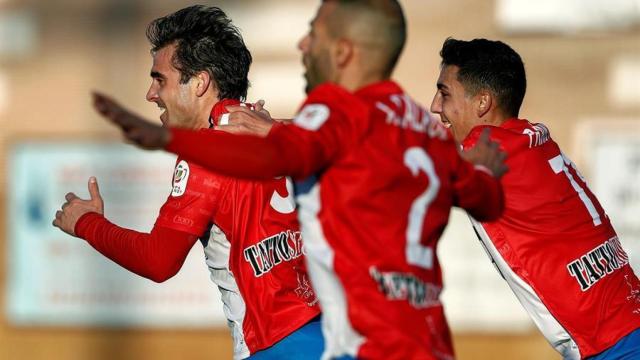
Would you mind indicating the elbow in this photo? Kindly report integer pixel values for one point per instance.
(493, 209)
(488, 216)
(161, 274)
(161, 277)
(158, 279)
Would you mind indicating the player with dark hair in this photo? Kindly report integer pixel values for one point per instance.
(377, 177)
(206, 41)
(554, 244)
(249, 230)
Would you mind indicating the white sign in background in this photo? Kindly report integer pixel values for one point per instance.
(607, 151)
(56, 279)
(616, 182)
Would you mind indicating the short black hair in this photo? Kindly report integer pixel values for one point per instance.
(491, 65)
(390, 25)
(206, 40)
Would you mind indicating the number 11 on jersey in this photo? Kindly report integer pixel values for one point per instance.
(560, 164)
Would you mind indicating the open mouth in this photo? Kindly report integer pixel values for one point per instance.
(163, 110)
(163, 116)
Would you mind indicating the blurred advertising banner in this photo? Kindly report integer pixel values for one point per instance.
(56, 279)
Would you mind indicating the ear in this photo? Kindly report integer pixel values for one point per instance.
(343, 54)
(484, 101)
(202, 82)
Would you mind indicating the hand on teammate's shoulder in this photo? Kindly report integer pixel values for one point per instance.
(487, 153)
(243, 120)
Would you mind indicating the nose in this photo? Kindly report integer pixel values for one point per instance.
(303, 44)
(152, 93)
(436, 104)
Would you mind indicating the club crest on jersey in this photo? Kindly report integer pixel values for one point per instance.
(312, 116)
(180, 178)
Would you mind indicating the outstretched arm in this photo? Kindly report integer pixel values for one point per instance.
(157, 256)
(287, 150)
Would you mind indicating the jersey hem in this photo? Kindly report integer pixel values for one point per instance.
(279, 336)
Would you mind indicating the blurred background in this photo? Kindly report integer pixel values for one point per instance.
(61, 300)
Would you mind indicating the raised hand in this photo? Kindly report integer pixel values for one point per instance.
(75, 207)
(487, 153)
(139, 131)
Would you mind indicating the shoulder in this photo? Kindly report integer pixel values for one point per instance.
(513, 135)
(333, 93)
(329, 101)
(190, 177)
(337, 98)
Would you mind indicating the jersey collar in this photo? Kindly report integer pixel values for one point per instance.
(379, 89)
(474, 134)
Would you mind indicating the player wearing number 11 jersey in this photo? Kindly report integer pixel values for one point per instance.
(554, 244)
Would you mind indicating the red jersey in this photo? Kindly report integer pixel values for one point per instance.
(252, 247)
(383, 177)
(556, 247)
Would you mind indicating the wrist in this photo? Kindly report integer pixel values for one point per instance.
(484, 169)
(84, 223)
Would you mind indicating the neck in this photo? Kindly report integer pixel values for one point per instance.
(497, 118)
(353, 82)
(358, 74)
(203, 108)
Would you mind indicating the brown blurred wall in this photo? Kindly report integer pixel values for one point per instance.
(100, 44)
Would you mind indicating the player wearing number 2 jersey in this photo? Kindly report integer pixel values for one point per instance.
(554, 244)
(384, 176)
(249, 230)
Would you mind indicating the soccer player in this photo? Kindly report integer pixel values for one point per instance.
(249, 230)
(554, 244)
(377, 177)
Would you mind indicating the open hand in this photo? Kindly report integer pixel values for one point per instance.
(487, 153)
(139, 131)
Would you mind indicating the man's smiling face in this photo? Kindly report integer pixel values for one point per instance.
(456, 108)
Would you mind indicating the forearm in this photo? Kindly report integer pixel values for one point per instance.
(242, 156)
(481, 195)
(157, 256)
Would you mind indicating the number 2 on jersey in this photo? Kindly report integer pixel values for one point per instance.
(560, 164)
(417, 160)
